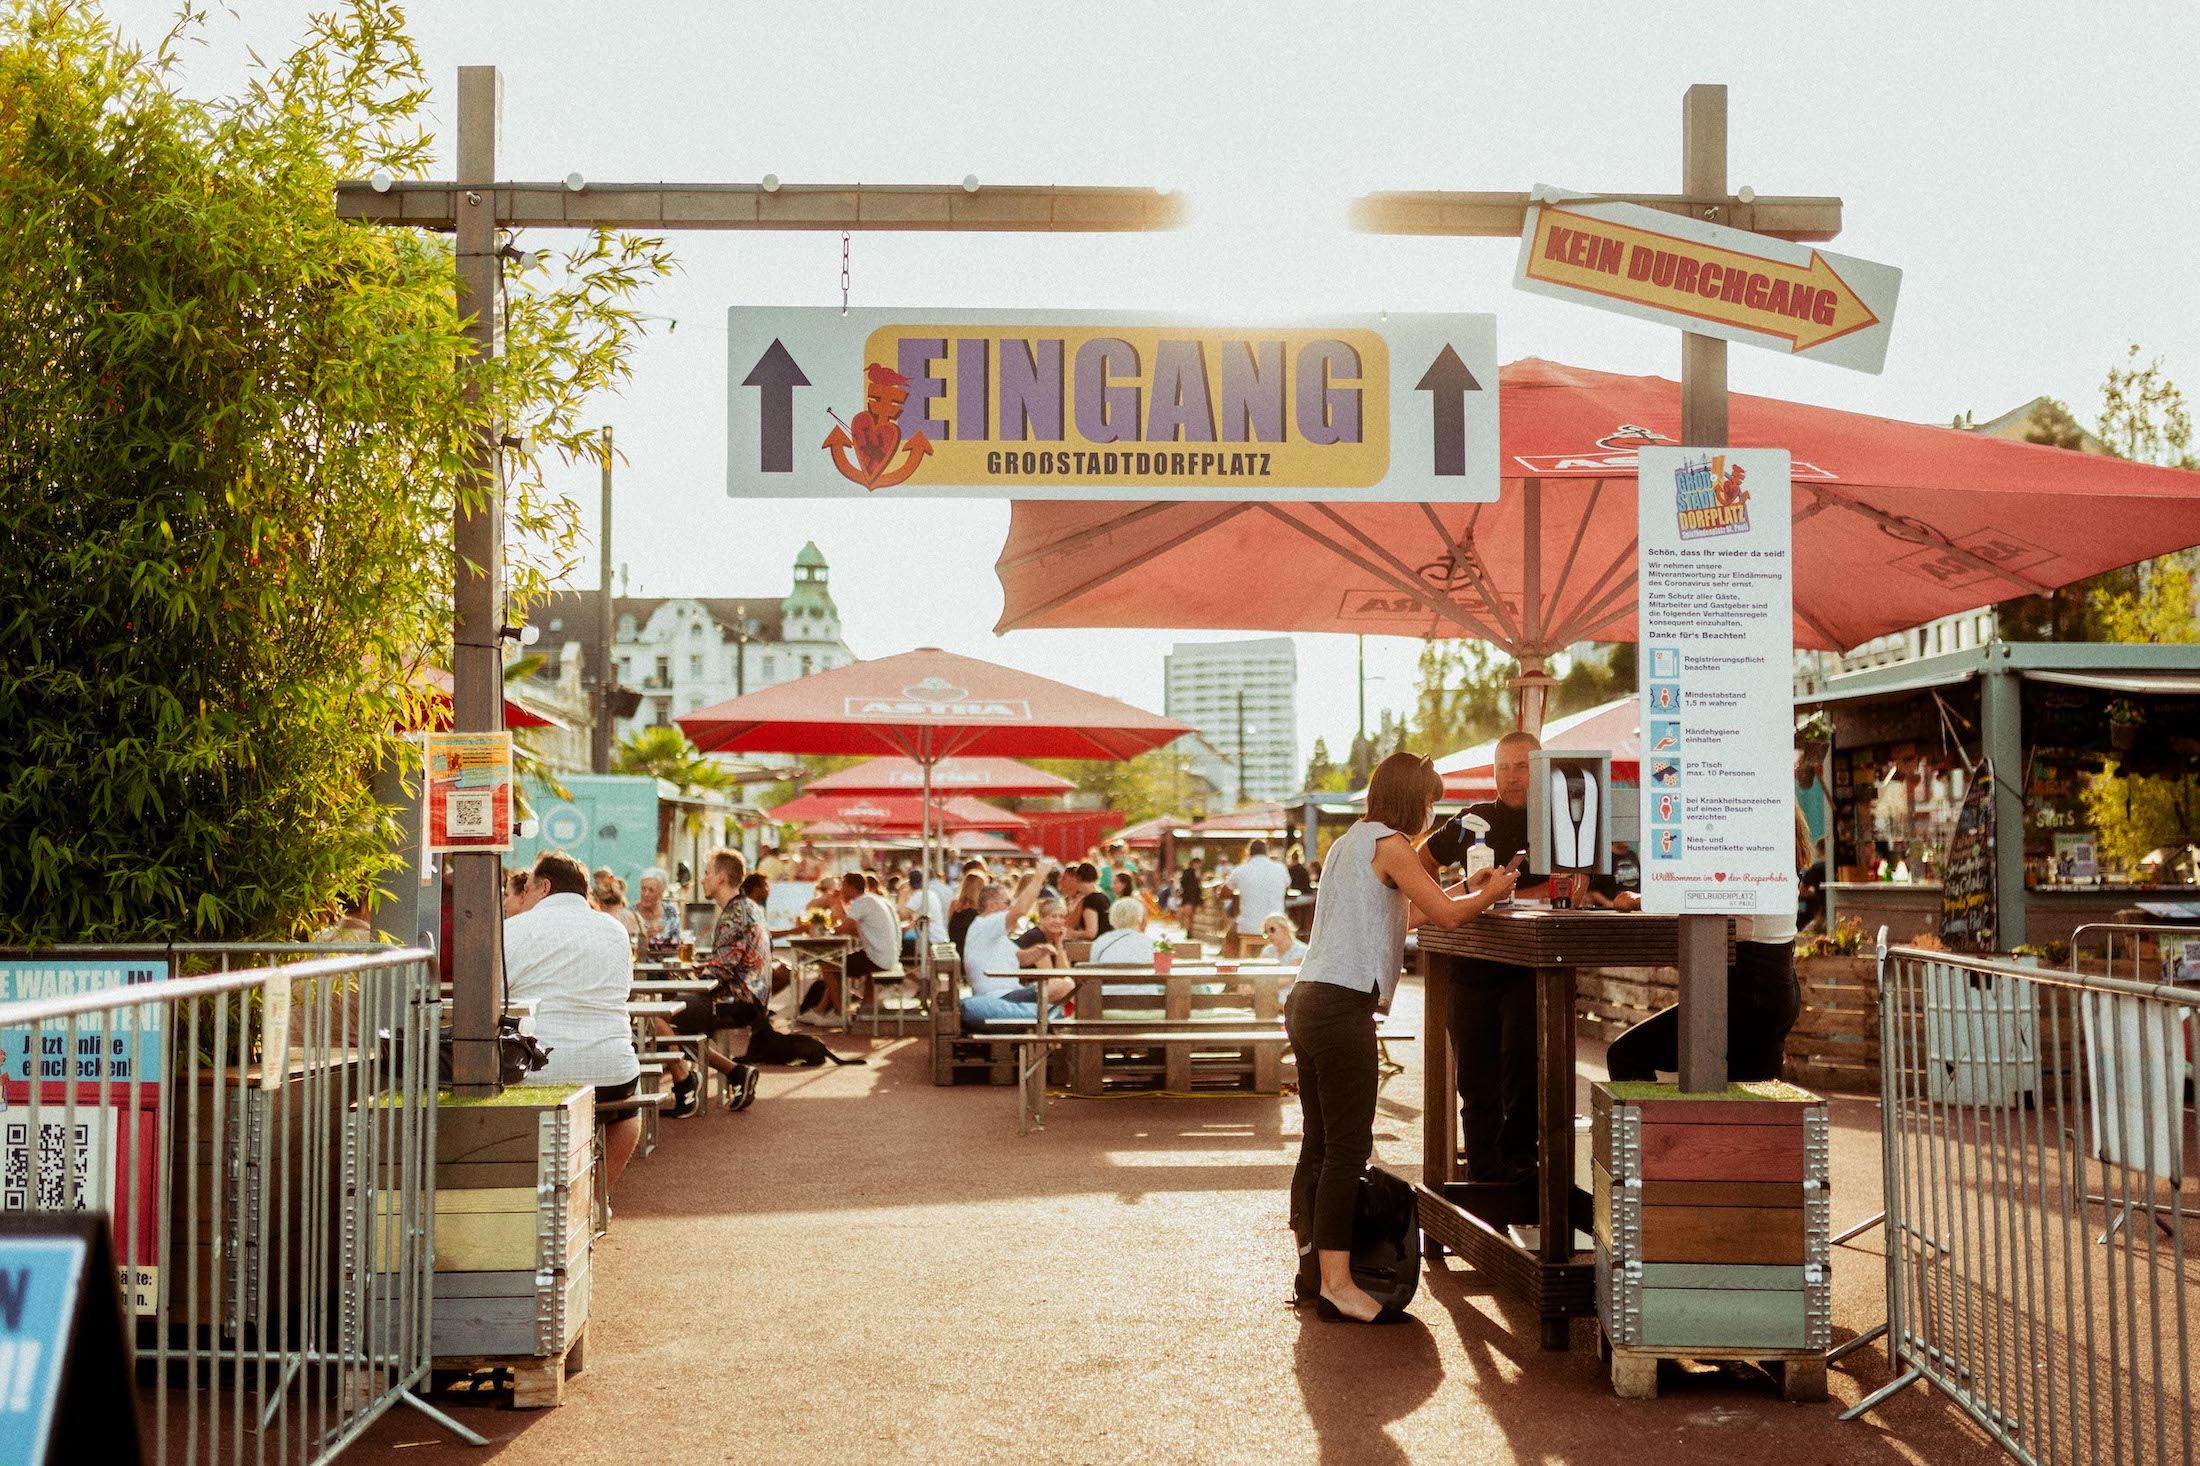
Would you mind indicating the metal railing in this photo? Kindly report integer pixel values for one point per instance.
(2039, 1148)
(260, 1133)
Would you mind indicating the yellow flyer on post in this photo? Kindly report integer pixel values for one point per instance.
(469, 791)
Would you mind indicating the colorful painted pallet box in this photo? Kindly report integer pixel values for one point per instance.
(1712, 1217)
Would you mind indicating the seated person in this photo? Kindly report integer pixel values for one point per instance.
(1086, 902)
(861, 912)
(659, 918)
(988, 949)
(736, 964)
(1283, 941)
(1041, 944)
(965, 907)
(1125, 943)
(575, 965)
(756, 889)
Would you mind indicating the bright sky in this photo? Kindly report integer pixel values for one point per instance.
(2029, 173)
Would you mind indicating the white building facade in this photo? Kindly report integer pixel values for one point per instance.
(1221, 687)
(687, 652)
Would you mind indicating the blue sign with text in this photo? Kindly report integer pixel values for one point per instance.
(39, 1278)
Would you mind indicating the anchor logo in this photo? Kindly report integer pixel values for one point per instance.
(875, 435)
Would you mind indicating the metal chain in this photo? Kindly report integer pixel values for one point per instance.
(844, 272)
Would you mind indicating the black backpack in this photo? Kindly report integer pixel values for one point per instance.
(1386, 1241)
(1386, 1238)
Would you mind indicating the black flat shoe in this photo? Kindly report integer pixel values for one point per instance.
(1329, 1312)
(1304, 1290)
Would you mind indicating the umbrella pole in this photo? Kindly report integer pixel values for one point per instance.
(924, 896)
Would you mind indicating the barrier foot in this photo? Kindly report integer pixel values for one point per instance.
(1840, 1350)
(1860, 1228)
(443, 1420)
(1893, 1387)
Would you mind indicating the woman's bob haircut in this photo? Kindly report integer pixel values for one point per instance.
(1404, 789)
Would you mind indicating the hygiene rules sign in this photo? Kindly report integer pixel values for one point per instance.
(1715, 652)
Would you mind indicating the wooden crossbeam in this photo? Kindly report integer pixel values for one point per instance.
(1504, 215)
(910, 208)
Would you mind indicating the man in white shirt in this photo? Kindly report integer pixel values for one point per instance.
(575, 965)
(988, 948)
(1260, 884)
(867, 916)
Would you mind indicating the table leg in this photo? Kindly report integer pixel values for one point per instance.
(1554, 1026)
(1267, 1057)
(1086, 1060)
(1439, 1093)
(1176, 1061)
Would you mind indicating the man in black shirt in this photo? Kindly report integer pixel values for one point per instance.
(1492, 1016)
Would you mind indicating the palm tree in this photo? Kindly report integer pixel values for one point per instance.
(663, 752)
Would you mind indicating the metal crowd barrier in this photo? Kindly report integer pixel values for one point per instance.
(260, 1133)
(2039, 1149)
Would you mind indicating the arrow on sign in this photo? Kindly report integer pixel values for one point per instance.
(1448, 381)
(775, 375)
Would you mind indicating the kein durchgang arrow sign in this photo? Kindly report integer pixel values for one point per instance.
(1084, 405)
(1710, 279)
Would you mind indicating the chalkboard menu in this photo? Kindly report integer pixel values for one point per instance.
(1967, 914)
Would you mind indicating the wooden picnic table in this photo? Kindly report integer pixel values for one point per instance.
(1474, 1219)
(1260, 983)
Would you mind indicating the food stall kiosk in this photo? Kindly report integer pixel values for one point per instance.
(1912, 741)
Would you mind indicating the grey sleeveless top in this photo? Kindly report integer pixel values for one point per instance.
(1359, 939)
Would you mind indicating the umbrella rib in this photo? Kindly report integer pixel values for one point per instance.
(1912, 532)
(1463, 556)
(1118, 571)
(1596, 613)
(1596, 594)
(1573, 551)
(1086, 536)
(1832, 642)
(1398, 575)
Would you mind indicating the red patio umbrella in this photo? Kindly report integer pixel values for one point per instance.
(894, 812)
(1895, 524)
(928, 705)
(999, 777)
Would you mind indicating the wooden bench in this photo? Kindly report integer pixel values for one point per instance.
(1032, 1047)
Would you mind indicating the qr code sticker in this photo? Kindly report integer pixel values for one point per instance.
(61, 1148)
(468, 814)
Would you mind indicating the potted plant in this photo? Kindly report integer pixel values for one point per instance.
(2124, 718)
(1164, 954)
(1814, 735)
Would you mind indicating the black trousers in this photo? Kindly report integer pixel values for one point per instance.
(1762, 1003)
(1492, 1025)
(1332, 1032)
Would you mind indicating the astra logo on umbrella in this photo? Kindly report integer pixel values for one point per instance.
(1615, 455)
(936, 697)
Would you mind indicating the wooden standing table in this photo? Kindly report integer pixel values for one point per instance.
(1472, 1218)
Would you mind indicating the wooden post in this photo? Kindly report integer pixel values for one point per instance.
(1703, 425)
(477, 670)
(599, 735)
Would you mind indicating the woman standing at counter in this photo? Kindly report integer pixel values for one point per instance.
(1373, 889)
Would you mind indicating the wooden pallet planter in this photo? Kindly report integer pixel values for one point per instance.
(513, 1236)
(1712, 1226)
(536, 1382)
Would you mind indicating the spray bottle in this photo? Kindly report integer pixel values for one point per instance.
(1479, 856)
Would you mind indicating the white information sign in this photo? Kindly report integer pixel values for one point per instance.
(1715, 647)
(1089, 405)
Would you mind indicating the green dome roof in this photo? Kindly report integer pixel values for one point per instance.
(811, 556)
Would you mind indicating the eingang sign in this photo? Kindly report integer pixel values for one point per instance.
(1080, 405)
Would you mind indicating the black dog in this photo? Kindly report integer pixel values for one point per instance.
(767, 1045)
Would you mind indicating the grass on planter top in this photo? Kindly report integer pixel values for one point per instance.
(1761, 1089)
(525, 1096)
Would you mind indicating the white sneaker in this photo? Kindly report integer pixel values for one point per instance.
(816, 1019)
